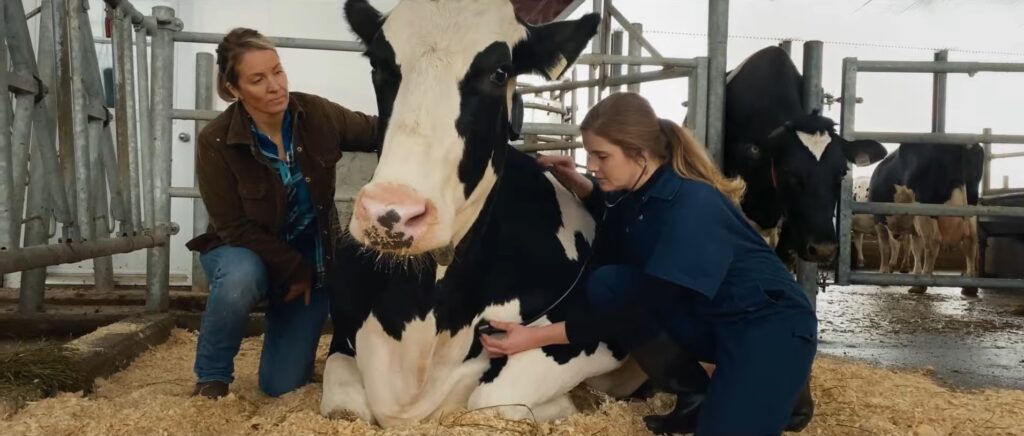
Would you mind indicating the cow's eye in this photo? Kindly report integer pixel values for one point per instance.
(500, 76)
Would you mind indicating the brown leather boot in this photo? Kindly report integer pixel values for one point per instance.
(211, 389)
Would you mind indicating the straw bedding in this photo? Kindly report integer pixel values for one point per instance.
(151, 397)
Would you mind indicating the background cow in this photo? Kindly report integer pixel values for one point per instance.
(931, 174)
(456, 227)
(792, 160)
(898, 251)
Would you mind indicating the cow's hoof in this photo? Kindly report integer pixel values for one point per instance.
(969, 292)
(917, 290)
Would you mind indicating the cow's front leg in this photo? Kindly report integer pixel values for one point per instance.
(343, 392)
(545, 397)
(884, 248)
(926, 234)
(969, 246)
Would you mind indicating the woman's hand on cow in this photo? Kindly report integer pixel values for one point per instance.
(564, 169)
(518, 338)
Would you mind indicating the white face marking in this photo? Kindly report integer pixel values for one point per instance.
(816, 142)
(861, 188)
(422, 148)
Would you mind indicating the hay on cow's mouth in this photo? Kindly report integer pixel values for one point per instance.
(152, 397)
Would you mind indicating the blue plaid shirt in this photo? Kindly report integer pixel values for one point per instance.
(302, 232)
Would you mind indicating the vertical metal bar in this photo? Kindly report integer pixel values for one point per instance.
(807, 272)
(134, 199)
(812, 92)
(204, 100)
(718, 34)
(46, 181)
(595, 48)
(79, 119)
(701, 108)
(100, 168)
(24, 108)
(939, 95)
(121, 120)
(22, 62)
(846, 129)
(157, 275)
(94, 89)
(145, 118)
(606, 39)
(986, 182)
(103, 267)
(7, 217)
(616, 49)
(787, 45)
(37, 220)
(634, 50)
(691, 99)
(65, 124)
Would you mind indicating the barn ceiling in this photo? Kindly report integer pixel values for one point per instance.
(539, 11)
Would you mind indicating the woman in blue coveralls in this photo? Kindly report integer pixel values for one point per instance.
(266, 172)
(684, 279)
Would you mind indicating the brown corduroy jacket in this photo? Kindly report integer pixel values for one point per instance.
(244, 195)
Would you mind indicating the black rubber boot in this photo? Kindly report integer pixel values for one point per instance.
(803, 410)
(675, 370)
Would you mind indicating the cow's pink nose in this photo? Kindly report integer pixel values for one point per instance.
(394, 210)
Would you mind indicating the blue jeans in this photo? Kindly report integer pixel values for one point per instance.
(238, 281)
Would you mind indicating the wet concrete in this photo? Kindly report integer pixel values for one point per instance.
(966, 342)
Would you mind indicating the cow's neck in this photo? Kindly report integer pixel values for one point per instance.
(471, 211)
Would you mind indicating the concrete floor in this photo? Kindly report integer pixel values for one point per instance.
(969, 342)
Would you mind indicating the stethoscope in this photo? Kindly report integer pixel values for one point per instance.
(484, 327)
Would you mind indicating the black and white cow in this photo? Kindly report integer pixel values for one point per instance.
(930, 174)
(791, 159)
(456, 227)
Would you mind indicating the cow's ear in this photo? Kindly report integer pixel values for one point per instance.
(365, 20)
(550, 49)
(864, 152)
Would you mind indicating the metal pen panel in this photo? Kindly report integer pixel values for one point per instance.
(204, 100)
(718, 35)
(157, 274)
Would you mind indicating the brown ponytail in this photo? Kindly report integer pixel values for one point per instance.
(627, 120)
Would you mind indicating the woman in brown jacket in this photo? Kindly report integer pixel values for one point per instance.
(266, 175)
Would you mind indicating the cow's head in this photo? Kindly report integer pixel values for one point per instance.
(808, 162)
(444, 73)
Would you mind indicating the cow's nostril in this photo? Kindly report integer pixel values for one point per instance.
(416, 219)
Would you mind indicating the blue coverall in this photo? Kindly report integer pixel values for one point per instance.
(709, 280)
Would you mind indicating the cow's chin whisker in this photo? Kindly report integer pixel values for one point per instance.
(392, 261)
(389, 260)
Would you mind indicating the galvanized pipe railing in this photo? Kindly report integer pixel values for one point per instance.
(851, 68)
(200, 219)
(158, 271)
(807, 272)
